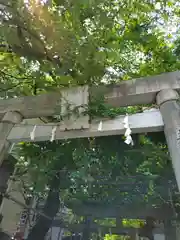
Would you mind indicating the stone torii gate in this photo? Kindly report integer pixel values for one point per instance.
(162, 90)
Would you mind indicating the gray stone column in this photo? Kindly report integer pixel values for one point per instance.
(170, 110)
(158, 231)
(170, 230)
(6, 124)
(178, 230)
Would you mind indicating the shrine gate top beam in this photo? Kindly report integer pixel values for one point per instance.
(104, 211)
(127, 93)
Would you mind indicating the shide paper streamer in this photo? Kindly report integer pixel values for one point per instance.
(53, 134)
(100, 126)
(128, 131)
(128, 138)
(32, 134)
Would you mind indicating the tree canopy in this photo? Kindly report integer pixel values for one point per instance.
(46, 45)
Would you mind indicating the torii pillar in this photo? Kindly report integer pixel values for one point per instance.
(6, 124)
(170, 230)
(168, 101)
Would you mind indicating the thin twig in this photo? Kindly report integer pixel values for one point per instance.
(10, 75)
(10, 88)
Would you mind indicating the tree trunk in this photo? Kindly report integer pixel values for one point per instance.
(51, 208)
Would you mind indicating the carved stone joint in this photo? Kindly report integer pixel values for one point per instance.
(166, 95)
(12, 117)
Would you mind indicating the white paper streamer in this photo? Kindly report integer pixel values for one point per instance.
(126, 125)
(100, 126)
(53, 133)
(32, 134)
(129, 140)
(128, 131)
(126, 120)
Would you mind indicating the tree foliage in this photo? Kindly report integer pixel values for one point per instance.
(56, 44)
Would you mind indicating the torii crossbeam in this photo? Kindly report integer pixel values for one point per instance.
(139, 123)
